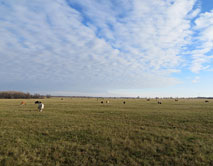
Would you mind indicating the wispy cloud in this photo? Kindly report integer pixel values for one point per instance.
(90, 44)
(202, 55)
(196, 79)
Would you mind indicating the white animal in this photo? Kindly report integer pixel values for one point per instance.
(40, 105)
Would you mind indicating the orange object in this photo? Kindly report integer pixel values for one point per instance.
(23, 103)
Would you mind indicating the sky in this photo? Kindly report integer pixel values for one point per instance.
(161, 48)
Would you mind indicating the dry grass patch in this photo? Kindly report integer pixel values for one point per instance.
(86, 132)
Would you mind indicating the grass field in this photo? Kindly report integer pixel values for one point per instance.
(82, 132)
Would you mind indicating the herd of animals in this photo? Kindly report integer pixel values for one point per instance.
(41, 105)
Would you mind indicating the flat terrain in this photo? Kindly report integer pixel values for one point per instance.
(82, 132)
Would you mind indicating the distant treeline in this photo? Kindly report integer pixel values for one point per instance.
(19, 95)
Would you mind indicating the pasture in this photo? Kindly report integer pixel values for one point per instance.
(80, 132)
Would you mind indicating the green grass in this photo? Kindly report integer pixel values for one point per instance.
(85, 132)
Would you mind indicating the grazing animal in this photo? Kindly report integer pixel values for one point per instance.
(206, 101)
(107, 101)
(102, 102)
(159, 102)
(37, 102)
(147, 99)
(40, 106)
(176, 99)
(23, 103)
(124, 102)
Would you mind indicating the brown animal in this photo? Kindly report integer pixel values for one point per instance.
(124, 102)
(148, 100)
(23, 103)
(102, 102)
(159, 102)
(206, 101)
(176, 99)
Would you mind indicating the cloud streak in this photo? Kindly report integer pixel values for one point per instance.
(202, 55)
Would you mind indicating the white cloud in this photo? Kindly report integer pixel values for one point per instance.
(196, 79)
(91, 44)
(202, 54)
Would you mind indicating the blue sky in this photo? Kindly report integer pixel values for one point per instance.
(107, 47)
